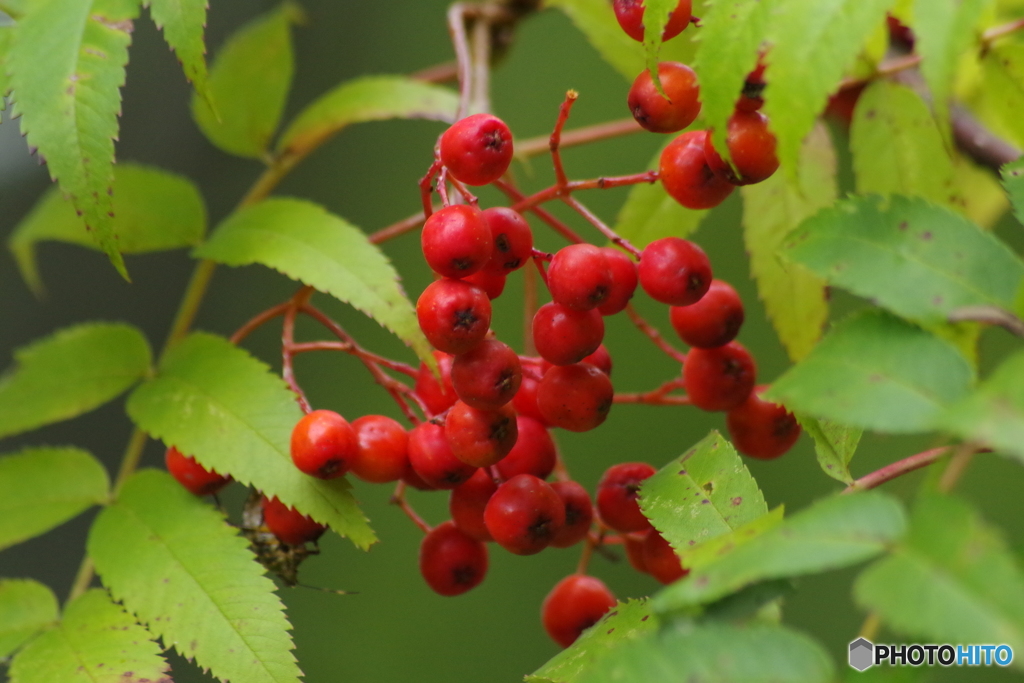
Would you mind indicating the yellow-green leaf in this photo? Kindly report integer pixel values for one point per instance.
(27, 607)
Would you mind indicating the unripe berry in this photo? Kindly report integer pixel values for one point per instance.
(576, 603)
(524, 515)
(630, 15)
(657, 114)
(488, 375)
(477, 149)
(751, 148)
(450, 561)
(480, 437)
(432, 459)
(579, 277)
(383, 453)
(323, 444)
(456, 241)
(288, 524)
(453, 315)
(575, 397)
(197, 479)
(512, 237)
(686, 176)
(762, 429)
(675, 271)
(617, 494)
(624, 280)
(564, 335)
(720, 378)
(713, 321)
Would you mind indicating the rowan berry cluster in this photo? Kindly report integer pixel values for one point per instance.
(486, 412)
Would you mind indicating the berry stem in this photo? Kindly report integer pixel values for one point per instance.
(962, 457)
(480, 88)
(300, 299)
(996, 32)
(346, 347)
(579, 136)
(654, 335)
(258, 321)
(397, 229)
(426, 187)
(603, 183)
(558, 226)
(460, 42)
(657, 397)
(556, 136)
(592, 218)
(398, 498)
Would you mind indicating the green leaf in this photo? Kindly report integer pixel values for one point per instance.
(814, 42)
(709, 551)
(69, 373)
(704, 493)
(371, 98)
(6, 40)
(877, 372)
(896, 145)
(67, 67)
(719, 652)
(154, 210)
(943, 31)
(217, 403)
(95, 642)
(650, 214)
(41, 488)
(952, 581)
(1003, 91)
(249, 84)
(629, 621)
(184, 571)
(835, 532)
(834, 445)
(183, 23)
(656, 14)
(1013, 181)
(27, 607)
(913, 258)
(307, 243)
(794, 297)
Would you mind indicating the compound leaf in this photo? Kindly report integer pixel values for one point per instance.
(248, 84)
(372, 98)
(952, 580)
(877, 372)
(67, 66)
(793, 296)
(704, 493)
(69, 373)
(28, 607)
(710, 550)
(183, 23)
(184, 572)
(916, 259)
(628, 621)
(834, 445)
(755, 653)
(814, 42)
(155, 210)
(307, 243)
(1013, 181)
(95, 642)
(215, 402)
(41, 488)
(897, 147)
(832, 533)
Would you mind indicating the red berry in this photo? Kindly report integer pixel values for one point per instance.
(634, 545)
(288, 524)
(416, 481)
(193, 476)
(534, 452)
(842, 103)
(762, 429)
(383, 453)
(564, 335)
(624, 281)
(432, 459)
(751, 148)
(657, 114)
(617, 496)
(480, 437)
(661, 560)
(438, 396)
(513, 240)
(579, 513)
(713, 321)
(491, 281)
(525, 401)
(899, 32)
(575, 397)
(450, 561)
(576, 603)
(720, 378)
(477, 149)
(524, 515)
(686, 175)
(453, 315)
(488, 375)
(630, 15)
(456, 241)
(579, 277)
(753, 87)
(600, 359)
(467, 503)
(324, 444)
(675, 271)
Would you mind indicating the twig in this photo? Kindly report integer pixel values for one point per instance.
(989, 315)
(531, 147)
(897, 469)
(257, 321)
(978, 142)
(457, 29)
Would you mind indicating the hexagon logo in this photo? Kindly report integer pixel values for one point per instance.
(861, 654)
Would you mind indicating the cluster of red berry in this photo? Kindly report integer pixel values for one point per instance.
(488, 409)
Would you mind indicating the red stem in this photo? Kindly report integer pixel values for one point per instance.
(659, 396)
(288, 340)
(604, 183)
(601, 227)
(557, 225)
(398, 498)
(897, 469)
(426, 187)
(556, 136)
(654, 335)
(259, 320)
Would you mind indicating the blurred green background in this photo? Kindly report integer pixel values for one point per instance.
(395, 628)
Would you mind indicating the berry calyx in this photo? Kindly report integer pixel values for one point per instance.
(674, 271)
(512, 238)
(453, 315)
(576, 603)
(480, 437)
(762, 429)
(488, 375)
(456, 241)
(653, 111)
(477, 149)
(579, 513)
(323, 444)
(383, 449)
(565, 335)
(617, 494)
(686, 176)
(534, 452)
(579, 277)
(624, 280)
(432, 459)
(468, 501)
(575, 397)
(288, 524)
(630, 15)
(524, 515)
(751, 148)
(715, 320)
(720, 378)
(197, 479)
(452, 562)
(437, 395)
